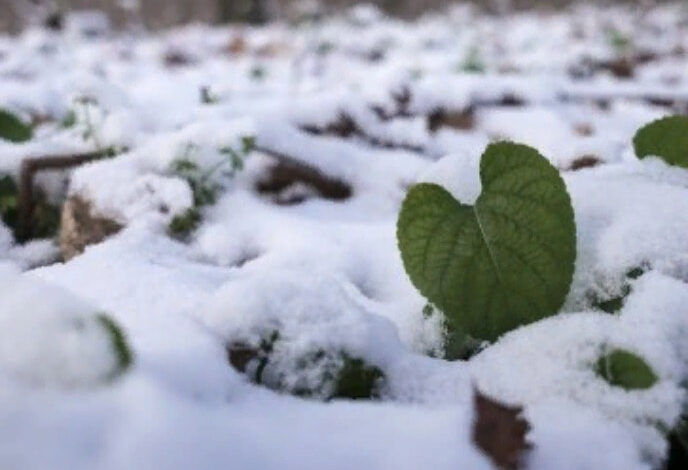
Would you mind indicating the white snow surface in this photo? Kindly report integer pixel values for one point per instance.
(327, 273)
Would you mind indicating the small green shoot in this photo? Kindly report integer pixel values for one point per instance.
(202, 182)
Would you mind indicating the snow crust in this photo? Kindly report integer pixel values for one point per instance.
(327, 273)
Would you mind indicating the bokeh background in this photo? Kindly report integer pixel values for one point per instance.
(154, 14)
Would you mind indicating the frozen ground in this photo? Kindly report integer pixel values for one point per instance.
(355, 98)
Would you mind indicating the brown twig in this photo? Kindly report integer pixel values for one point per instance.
(29, 168)
(291, 168)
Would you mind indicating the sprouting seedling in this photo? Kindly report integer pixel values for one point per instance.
(505, 261)
(203, 186)
(236, 158)
(666, 138)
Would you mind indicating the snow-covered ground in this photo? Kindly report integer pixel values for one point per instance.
(372, 105)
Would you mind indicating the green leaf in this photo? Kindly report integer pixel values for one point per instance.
(504, 262)
(119, 344)
(624, 369)
(13, 129)
(666, 138)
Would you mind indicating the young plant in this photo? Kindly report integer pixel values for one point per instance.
(666, 138)
(201, 181)
(503, 262)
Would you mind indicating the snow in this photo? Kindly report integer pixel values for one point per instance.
(326, 273)
(52, 343)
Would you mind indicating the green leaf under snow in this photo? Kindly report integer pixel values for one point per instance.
(319, 373)
(624, 369)
(13, 129)
(666, 138)
(506, 261)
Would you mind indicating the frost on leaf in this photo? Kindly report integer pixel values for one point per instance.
(624, 369)
(666, 138)
(13, 129)
(504, 262)
(500, 432)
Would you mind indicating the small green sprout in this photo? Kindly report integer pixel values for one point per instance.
(202, 182)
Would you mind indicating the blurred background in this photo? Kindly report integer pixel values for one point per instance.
(155, 14)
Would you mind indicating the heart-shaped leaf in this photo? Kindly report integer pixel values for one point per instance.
(626, 370)
(666, 138)
(13, 129)
(504, 262)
